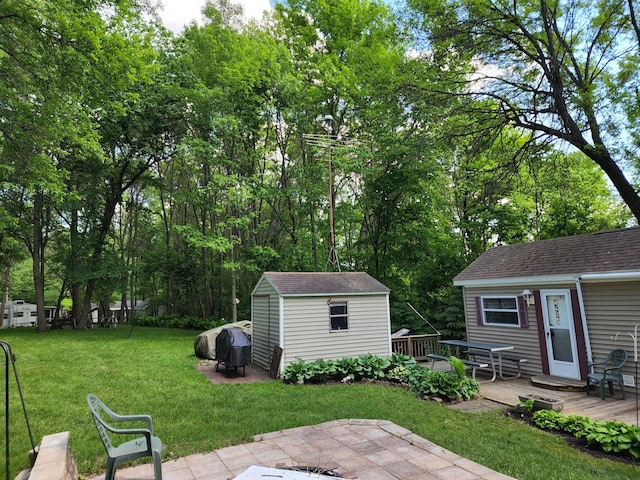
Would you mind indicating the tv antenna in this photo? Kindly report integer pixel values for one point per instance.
(327, 123)
(330, 143)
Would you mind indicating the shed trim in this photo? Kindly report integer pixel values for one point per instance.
(332, 294)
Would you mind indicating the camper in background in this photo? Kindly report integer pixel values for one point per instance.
(20, 314)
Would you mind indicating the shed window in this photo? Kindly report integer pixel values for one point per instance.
(338, 316)
(500, 311)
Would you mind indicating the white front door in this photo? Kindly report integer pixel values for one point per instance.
(560, 333)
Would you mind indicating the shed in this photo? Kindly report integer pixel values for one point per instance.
(312, 315)
(559, 302)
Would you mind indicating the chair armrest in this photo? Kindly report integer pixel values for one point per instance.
(133, 418)
(131, 431)
(607, 370)
(590, 365)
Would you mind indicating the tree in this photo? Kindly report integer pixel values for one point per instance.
(565, 70)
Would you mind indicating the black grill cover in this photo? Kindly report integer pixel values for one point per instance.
(233, 347)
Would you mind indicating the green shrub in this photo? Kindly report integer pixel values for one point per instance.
(179, 321)
(401, 360)
(322, 370)
(371, 366)
(422, 380)
(611, 436)
(447, 386)
(458, 366)
(548, 420)
(297, 372)
(614, 436)
(346, 368)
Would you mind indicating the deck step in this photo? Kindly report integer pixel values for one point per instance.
(558, 383)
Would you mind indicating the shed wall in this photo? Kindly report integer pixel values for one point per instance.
(265, 312)
(307, 331)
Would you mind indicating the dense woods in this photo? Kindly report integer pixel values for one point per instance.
(140, 164)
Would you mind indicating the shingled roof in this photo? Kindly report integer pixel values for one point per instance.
(324, 283)
(595, 253)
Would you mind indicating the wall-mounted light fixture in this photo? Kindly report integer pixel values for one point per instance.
(528, 297)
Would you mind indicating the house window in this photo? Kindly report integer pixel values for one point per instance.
(338, 317)
(500, 311)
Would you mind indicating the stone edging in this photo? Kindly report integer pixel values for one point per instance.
(54, 460)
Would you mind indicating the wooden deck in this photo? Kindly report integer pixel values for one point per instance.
(613, 408)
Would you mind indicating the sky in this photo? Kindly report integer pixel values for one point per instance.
(177, 13)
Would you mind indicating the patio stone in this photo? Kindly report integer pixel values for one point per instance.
(358, 449)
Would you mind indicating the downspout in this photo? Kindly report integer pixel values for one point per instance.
(583, 317)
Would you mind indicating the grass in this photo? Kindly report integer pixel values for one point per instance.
(154, 372)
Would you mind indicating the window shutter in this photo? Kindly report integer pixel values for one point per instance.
(522, 312)
(479, 317)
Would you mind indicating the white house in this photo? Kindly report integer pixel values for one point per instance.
(313, 315)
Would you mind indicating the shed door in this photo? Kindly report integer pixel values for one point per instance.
(560, 334)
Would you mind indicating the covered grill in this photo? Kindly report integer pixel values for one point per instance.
(233, 349)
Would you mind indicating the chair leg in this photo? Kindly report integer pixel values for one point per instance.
(602, 390)
(611, 388)
(111, 469)
(157, 465)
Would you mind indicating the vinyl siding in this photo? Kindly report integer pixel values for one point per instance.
(307, 335)
(612, 308)
(524, 340)
(265, 312)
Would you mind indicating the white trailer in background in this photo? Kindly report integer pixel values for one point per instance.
(20, 314)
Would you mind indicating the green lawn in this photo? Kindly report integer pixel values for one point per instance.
(154, 372)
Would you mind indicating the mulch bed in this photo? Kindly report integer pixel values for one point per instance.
(577, 443)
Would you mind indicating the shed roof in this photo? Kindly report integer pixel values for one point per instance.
(610, 251)
(324, 283)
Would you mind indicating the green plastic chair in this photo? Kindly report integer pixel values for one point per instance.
(145, 446)
(612, 372)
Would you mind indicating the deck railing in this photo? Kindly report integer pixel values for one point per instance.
(416, 346)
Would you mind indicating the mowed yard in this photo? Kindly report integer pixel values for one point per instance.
(154, 371)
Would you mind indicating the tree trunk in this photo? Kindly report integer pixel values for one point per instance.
(38, 260)
(74, 263)
(627, 191)
(5, 293)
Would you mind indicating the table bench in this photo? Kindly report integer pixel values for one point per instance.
(469, 363)
(504, 357)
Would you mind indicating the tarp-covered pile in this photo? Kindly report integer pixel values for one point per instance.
(204, 344)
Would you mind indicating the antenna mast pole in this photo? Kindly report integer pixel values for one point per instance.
(327, 123)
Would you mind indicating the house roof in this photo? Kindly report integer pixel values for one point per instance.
(324, 283)
(614, 251)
